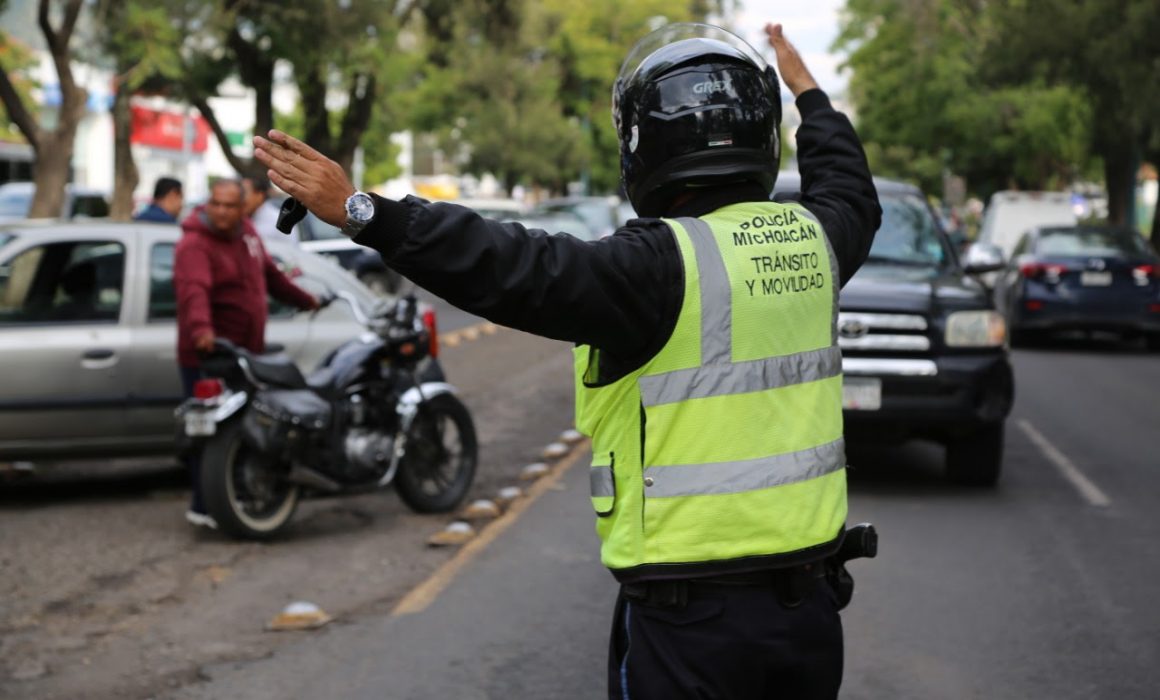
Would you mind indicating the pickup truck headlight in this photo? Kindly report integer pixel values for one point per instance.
(976, 329)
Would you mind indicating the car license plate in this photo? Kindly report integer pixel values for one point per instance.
(861, 393)
(1095, 279)
(200, 424)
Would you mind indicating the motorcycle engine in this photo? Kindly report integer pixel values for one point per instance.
(368, 450)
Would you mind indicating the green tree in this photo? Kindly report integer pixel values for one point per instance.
(1106, 48)
(53, 146)
(336, 50)
(143, 44)
(927, 104)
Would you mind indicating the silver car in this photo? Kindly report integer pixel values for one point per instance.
(88, 335)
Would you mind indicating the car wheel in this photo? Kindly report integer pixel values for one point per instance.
(1152, 341)
(977, 459)
(381, 282)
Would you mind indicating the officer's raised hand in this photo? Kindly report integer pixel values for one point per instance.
(319, 183)
(789, 63)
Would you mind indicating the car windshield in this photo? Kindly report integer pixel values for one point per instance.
(1108, 243)
(15, 203)
(908, 235)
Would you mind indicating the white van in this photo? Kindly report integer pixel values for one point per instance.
(1010, 214)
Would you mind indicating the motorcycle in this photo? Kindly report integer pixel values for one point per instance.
(376, 412)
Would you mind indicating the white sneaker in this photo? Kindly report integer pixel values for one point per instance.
(200, 519)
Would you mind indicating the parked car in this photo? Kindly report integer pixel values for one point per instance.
(16, 202)
(600, 213)
(88, 335)
(924, 352)
(1082, 278)
(319, 237)
(1010, 214)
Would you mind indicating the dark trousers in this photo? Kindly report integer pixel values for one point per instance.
(727, 642)
(189, 377)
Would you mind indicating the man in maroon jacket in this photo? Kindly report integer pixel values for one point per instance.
(221, 273)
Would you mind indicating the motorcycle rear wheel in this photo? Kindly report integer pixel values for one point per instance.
(438, 468)
(248, 499)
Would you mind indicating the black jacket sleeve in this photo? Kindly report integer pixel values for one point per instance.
(611, 294)
(836, 183)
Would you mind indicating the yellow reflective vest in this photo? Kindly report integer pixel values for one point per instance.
(724, 452)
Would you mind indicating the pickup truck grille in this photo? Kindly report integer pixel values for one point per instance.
(892, 334)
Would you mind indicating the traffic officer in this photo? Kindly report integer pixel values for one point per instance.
(707, 367)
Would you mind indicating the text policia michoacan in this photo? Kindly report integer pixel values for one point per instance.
(781, 273)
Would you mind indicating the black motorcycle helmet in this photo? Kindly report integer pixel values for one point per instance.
(694, 105)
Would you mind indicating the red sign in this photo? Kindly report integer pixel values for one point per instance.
(166, 129)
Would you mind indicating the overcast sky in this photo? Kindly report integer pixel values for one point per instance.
(811, 25)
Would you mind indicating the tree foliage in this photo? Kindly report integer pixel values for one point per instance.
(1025, 93)
(16, 60)
(926, 107)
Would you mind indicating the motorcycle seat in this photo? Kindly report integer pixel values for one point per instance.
(322, 380)
(276, 370)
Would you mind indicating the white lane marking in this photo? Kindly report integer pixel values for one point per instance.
(1090, 492)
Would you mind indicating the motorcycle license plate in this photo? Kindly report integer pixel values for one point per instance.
(200, 424)
(861, 393)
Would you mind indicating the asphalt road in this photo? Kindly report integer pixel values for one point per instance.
(1042, 588)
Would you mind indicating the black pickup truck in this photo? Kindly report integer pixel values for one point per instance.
(924, 353)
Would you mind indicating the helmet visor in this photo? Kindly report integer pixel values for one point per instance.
(676, 43)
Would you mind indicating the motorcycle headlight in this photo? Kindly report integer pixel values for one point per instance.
(976, 329)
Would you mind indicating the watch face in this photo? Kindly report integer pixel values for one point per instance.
(360, 207)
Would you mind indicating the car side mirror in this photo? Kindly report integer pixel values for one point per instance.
(983, 257)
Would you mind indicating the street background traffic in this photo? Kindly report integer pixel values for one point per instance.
(1031, 573)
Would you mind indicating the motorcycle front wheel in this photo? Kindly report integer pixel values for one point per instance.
(249, 498)
(438, 466)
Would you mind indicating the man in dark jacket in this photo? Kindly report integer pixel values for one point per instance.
(717, 298)
(167, 202)
(221, 274)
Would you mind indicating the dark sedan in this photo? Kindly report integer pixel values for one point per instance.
(1086, 278)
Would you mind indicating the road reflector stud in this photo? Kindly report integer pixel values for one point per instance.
(555, 450)
(508, 495)
(533, 471)
(571, 437)
(299, 616)
(482, 509)
(456, 533)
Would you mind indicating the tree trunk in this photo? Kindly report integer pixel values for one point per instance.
(125, 176)
(52, 175)
(54, 149)
(244, 166)
(1121, 183)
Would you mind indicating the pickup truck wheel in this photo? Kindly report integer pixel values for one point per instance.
(381, 282)
(1152, 342)
(976, 459)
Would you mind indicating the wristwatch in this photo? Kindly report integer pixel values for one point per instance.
(360, 210)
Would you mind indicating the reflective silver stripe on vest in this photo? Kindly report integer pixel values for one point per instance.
(746, 475)
(716, 295)
(741, 377)
(600, 479)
